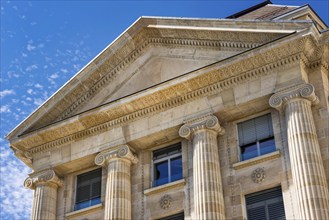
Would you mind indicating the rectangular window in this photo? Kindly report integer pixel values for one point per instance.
(167, 165)
(179, 216)
(88, 189)
(266, 205)
(256, 137)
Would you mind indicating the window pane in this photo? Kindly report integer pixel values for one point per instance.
(267, 146)
(96, 190)
(95, 201)
(249, 151)
(176, 169)
(87, 177)
(276, 211)
(81, 205)
(158, 154)
(257, 213)
(247, 132)
(88, 190)
(267, 205)
(263, 126)
(179, 216)
(83, 193)
(161, 173)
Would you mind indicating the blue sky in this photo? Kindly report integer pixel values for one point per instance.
(44, 43)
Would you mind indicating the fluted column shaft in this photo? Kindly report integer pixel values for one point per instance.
(45, 185)
(207, 184)
(118, 184)
(305, 156)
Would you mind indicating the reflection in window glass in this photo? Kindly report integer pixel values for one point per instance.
(88, 190)
(167, 165)
(256, 137)
(176, 169)
(161, 173)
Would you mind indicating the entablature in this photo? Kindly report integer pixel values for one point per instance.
(204, 82)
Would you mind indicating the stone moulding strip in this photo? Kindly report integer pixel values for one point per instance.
(148, 111)
(257, 160)
(84, 211)
(166, 187)
(133, 56)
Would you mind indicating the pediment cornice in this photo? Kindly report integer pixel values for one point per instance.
(143, 34)
(203, 82)
(117, 62)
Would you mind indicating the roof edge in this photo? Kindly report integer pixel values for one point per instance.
(134, 27)
(250, 9)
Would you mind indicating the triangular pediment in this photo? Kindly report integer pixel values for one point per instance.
(156, 66)
(153, 51)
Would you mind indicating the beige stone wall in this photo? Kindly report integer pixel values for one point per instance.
(231, 106)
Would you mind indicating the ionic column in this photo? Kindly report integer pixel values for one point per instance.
(45, 184)
(305, 156)
(118, 184)
(207, 183)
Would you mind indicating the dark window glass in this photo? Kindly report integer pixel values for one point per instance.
(161, 173)
(266, 205)
(179, 216)
(176, 169)
(88, 191)
(249, 151)
(256, 137)
(167, 165)
(267, 146)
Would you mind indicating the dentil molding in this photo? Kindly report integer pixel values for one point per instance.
(211, 83)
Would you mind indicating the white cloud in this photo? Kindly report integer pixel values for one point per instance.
(15, 101)
(11, 186)
(38, 101)
(64, 70)
(12, 74)
(5, 109)
(38, 86)
(54, 76)
(30, 68)
(30, 47)
(30, 91)
(6, 92)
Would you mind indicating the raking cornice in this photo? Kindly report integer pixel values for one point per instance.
(155, 42)
(114, 59)
(209, 81)
(107, 70)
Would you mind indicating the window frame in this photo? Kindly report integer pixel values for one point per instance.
(90, 184)
(168, 159)
(257, 142)
(264, 203)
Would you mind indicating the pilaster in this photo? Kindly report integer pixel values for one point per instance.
(45, 184)
(207, 183)
(305, 156)
(118, 184)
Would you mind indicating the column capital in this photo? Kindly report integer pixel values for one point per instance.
(281, 97)
(121, 152)
(209, 122)
(43, 177)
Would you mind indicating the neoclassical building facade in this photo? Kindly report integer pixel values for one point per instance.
(184, 118)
